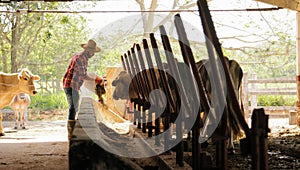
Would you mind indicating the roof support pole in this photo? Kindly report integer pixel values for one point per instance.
(298, 68)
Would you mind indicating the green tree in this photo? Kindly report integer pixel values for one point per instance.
(41, 41)
(263, 42)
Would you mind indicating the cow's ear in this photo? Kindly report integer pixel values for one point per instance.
(36, 77)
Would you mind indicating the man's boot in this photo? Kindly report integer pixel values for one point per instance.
(71, 125)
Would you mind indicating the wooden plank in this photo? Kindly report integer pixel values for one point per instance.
(289, 4)
(277, 108)
(274, 80)
(272, 92)
(276, 89)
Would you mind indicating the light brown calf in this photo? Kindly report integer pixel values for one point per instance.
(20, 104)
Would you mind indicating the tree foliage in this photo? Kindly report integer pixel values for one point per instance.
(264, 42)
(42, 42)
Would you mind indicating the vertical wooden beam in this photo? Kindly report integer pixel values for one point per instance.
(298, 69)
(245, 95)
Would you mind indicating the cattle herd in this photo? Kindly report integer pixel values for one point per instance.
(200, 98)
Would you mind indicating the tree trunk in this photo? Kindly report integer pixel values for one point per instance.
(14, 43)
(4, 58)
(149, 24)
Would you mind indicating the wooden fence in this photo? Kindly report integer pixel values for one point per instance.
(252, 88)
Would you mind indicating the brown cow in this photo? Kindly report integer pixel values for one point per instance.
(124, 88)
(13, 84)
(236, 73)
(122, 85)
(20, 104)
(100, 90)
(90, 86)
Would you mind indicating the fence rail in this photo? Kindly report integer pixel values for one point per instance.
(251, 90)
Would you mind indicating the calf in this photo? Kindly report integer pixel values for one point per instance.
(20, 104)
(13, 84)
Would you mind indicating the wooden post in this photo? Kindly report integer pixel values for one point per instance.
(259, 143)
(245, 95)
(115, 105)
(298, 69)
(253, 98)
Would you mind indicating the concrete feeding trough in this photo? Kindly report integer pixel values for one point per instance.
(102, 139)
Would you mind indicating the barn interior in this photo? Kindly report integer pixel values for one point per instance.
(219, 160)
(105, 138)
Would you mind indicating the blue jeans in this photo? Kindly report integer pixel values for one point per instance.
(73, 101)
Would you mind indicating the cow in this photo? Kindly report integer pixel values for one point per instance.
(13, 84)
(19, 104)
(89, 86)
(236, 73)
(125, 89)
(100, 90)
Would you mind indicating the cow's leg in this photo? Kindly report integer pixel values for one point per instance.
(1, 129)
(17, 119)
(22, 121)
(230, 145)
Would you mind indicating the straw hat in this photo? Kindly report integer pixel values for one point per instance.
(91, 45)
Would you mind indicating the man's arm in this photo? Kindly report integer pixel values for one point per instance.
(97, 79)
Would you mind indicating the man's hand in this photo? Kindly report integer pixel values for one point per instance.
(99, 80)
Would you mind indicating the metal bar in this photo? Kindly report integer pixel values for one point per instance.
(188, 57)
(179, 133)
(136, 101)
(162, 74)
(210, 32)
(188, 110)
(155, 85)
(174, 69)
(135, 78)
(166, 89)
(190, 61)
(123, 63)
(139, 78)
(144, 85)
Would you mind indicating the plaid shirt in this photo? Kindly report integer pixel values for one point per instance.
(76, 72)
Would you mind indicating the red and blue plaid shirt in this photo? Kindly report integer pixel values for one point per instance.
(76, 72)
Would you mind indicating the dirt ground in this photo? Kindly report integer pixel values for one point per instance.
(42, 145)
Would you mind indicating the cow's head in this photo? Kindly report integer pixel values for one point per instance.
(26, 81)
(100, 90)
(121, 82)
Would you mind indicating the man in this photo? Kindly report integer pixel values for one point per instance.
(74, 78)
